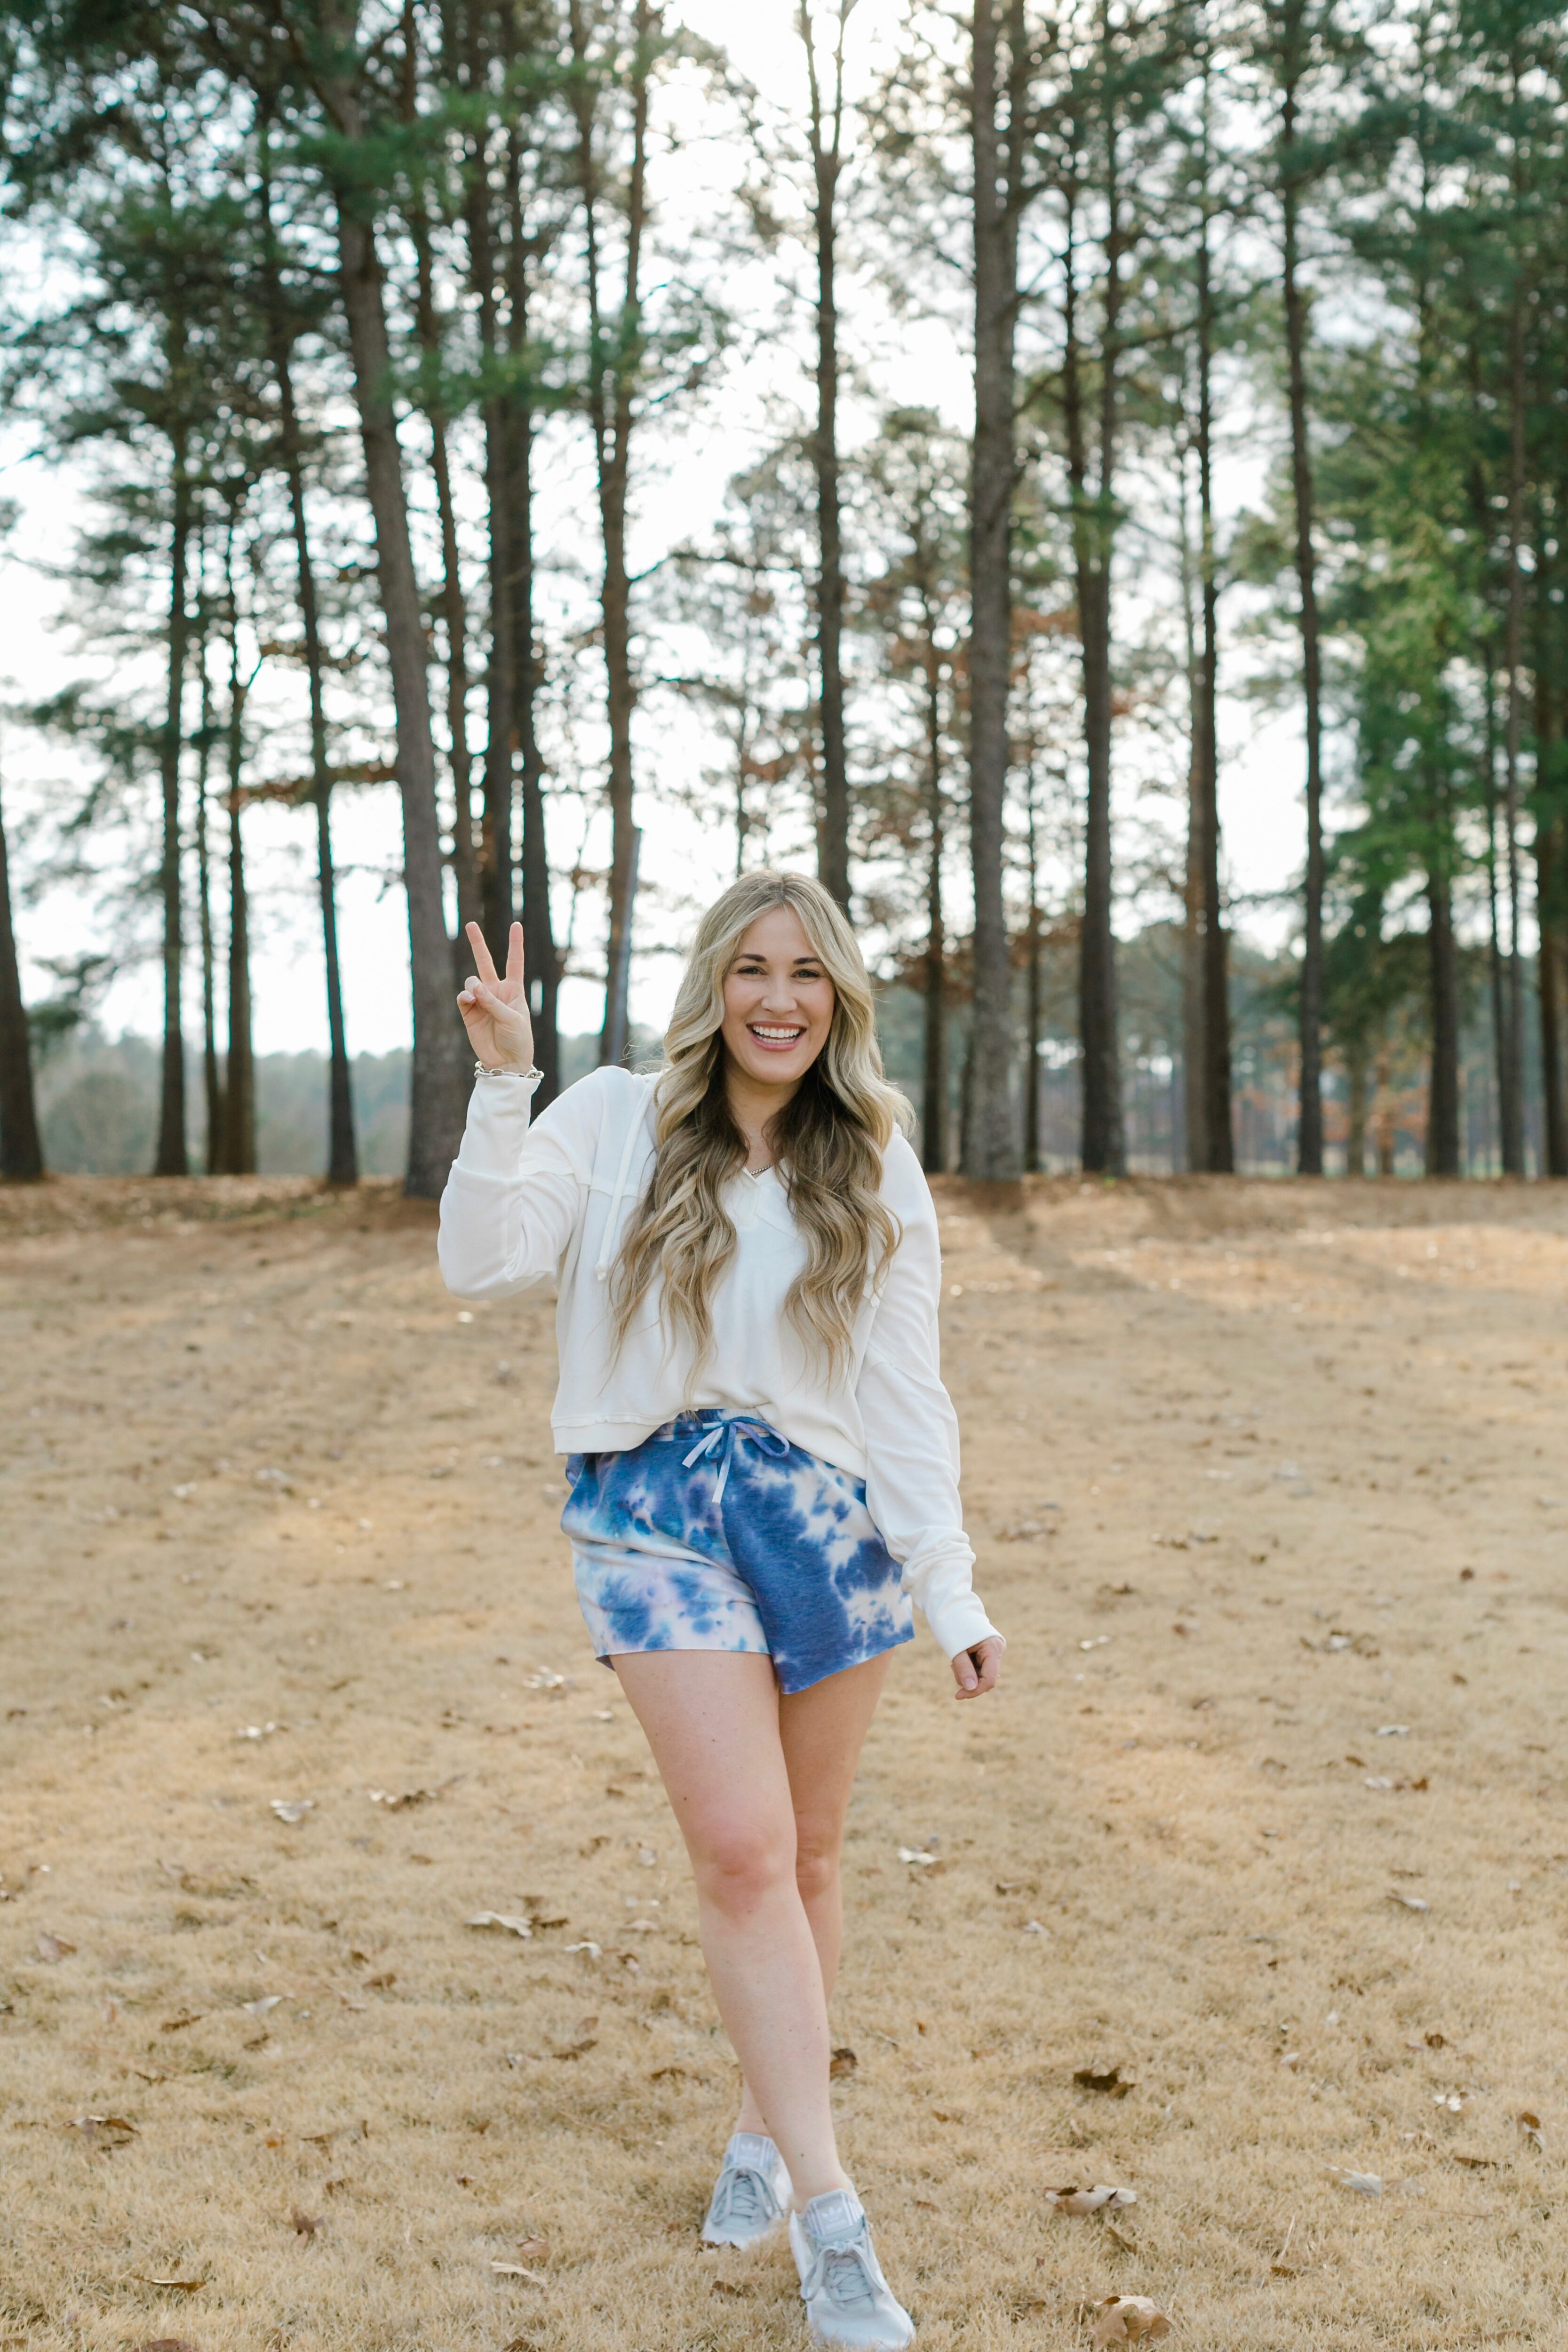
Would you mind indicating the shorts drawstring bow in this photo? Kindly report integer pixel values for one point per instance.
(721, 1438)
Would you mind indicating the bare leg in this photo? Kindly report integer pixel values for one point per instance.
(822, 1731)
(712, 1719)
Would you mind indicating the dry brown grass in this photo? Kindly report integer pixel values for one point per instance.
(1350, 1394)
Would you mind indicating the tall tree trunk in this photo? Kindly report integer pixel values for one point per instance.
(452, 607)
(496, 836)
(614, 362)
(1194, 1100)
(1357, 1062)
(990, 1143)
(539, 959)
(1215, 976)
(439, 1089)
(453, 617)
(21, 1151)
(933, 1096)
(1550, 881)
(1511, 1074)
(1310, 1134)
(240, 1069)
(212, 1084)
(825, 128)
(1033, 1020)
(1104, 1144)
(342, 1151)
(1443, 1105)
(1495, 970)
(342, 1148)
(1549, 894)
(171, 1160)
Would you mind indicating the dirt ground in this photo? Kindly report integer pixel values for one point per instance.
(1265, 1831)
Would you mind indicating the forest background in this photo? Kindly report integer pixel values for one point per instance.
(565, 462)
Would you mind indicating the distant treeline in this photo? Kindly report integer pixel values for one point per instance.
(99, 1097)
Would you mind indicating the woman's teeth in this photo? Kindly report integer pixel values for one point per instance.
(774, 1037)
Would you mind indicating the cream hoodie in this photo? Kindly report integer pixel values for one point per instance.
(528, 1204)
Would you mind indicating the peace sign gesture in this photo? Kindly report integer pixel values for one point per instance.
(495, 1011)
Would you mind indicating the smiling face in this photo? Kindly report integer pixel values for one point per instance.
(778, 1003)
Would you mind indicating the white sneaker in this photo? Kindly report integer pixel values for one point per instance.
(751, 2193)
(847, 2299)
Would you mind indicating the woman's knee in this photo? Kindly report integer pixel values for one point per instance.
(738, 1861)
(816, 1845)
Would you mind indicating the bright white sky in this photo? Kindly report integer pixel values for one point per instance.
(1260, 804)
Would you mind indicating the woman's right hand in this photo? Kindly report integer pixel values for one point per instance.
(495, 1011)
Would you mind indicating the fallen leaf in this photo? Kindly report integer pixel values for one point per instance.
(177, 2024)
(403, 1798)
(592, 1949)
(95, 2127)
(54, 1948)
(1102, 2198)
(306, 2224)
(1365, 2184)
(171, 2285)
(1410, 1901)
(1392, 1731)
(514, 1926)
(264, 2007)
(534, 2249)
(292, 1810)
(1530, 2127)
(842, 2063)
(1109, 2085)
(917, 1856)
(519, 2270)
(1129, 2319)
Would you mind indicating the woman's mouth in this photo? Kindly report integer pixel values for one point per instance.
(774, 1037)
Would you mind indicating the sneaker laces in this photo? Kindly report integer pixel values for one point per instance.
(843, 2274)
(743, 2195)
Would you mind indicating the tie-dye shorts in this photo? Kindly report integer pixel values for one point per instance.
(716, 1533)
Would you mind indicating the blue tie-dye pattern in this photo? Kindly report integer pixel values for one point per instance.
(787, 1563)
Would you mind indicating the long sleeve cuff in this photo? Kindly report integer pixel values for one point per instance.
(940, 1576)
(498, 1113)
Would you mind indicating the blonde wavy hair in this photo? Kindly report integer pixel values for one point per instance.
(827, 1141)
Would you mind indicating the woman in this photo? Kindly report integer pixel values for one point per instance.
(763, 1463)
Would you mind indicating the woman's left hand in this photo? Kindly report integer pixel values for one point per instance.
(975, 1671)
